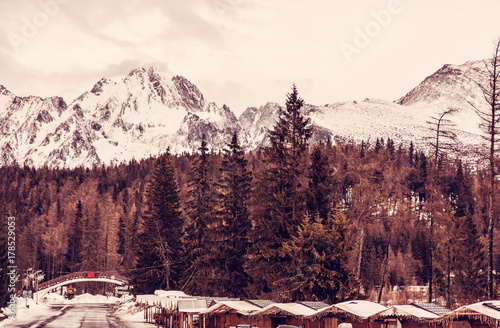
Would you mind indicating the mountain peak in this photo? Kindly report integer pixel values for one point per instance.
(97, 88)
(451, 84)
(190, 94)
(4, 91)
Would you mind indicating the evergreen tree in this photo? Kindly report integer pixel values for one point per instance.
(321, 192)
(460, 193)
(378, 145)
(159, 243)
(279, 196)
(411, 154)
(202, 229)
(470, 280)
(286, 157)
(362, 152)
(320, 252)
(235, 191)
(92, 249)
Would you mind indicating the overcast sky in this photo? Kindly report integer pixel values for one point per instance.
(243, 52)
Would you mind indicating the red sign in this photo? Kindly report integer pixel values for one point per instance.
(90, 275)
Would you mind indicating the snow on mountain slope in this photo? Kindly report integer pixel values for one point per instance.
(147, 112)
(140, 116)
(405, 121)
(453, 86)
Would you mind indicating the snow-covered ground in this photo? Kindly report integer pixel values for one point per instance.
(28, 311)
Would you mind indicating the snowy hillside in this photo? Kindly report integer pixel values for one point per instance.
(405, 120)
(148, 111)
(142, 115)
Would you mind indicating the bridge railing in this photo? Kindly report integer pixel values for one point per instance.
(83, 275)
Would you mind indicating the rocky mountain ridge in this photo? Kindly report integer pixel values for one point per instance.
(149, 111)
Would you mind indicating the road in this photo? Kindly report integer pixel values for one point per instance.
(80, 315)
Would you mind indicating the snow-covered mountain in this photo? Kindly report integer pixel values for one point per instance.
(142, 115)
(404, 120)
(148, 111)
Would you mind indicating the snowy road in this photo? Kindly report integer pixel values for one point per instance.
(75, 316)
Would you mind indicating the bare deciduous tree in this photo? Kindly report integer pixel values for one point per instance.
(490, 123)
(444, 138)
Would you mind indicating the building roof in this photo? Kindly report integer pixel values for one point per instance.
(171, 293)
(241, 307)
(191, 306)
(148, 299)
(287, 309)
(212, 300)
(315, 305)
(406, 311)
(261, 303)
(488, 312)
(433, 307)
(361, 310)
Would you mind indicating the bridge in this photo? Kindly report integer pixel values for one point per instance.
(101, 276)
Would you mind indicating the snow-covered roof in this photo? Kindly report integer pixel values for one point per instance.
(406, 311)
(242, 307)
(210, 300)
(261, 303)
(191, 306)
(171, 293)
(292, 309)
(487, 312)
(360, 309)
(315, 305)
(433, 307)
(148, 299)
(172, 303)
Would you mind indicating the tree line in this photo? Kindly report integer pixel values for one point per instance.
(291, 221)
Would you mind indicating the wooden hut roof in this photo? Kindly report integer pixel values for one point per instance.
(241, 307)
(406, 311)
(433, 307)
(261, 303)
(191, 306)
(213, 300)
(289, 309)
(360, 310)
(486, 312)
(315, 305)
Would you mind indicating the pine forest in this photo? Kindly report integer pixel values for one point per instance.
(287, 222)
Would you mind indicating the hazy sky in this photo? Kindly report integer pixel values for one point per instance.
(243, 52)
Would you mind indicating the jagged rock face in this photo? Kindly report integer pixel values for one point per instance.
(142, 115)
(190, 94)
(257, 122)
(148, 111)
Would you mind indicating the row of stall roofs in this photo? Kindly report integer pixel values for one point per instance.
(175, 309)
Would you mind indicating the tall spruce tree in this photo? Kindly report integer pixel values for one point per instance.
(235, 191)
(279, 198)
(201, 233)
(159, 246)
(92, 247)
(321, 191)
(469, 280)
(320, 254)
